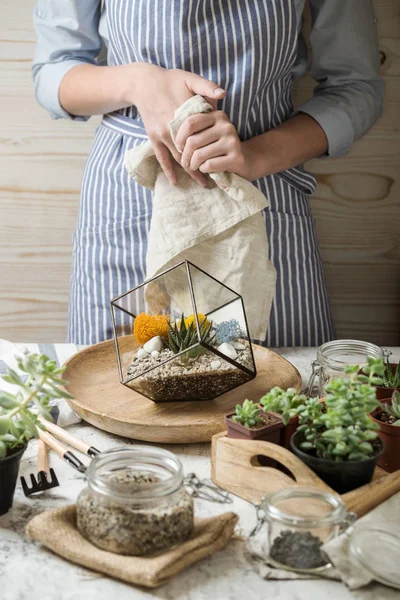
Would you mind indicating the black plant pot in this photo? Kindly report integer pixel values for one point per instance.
(9, 467)
(342, 476)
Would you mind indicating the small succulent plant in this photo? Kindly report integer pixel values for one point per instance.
(227, 331)
(285, 403)
(247, 414)
(393, 409)
(391, 379)
(39, 383)
(340, 428)
(182, 336)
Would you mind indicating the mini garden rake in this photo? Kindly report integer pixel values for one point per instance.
(46, 479)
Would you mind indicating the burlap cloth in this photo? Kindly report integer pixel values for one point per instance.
(220, 229)
(56, 529)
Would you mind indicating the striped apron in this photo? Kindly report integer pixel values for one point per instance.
(249, 48)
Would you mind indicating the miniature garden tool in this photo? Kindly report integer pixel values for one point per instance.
(62, 450)
(42, 482)
(70, 439)
(236, 468)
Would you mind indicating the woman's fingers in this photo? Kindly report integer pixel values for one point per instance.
(163, 154)
(205, 153)
(194, 143)
(210, 90)
(219, 164)
(193, 125)
(164, 158)
(195, 175)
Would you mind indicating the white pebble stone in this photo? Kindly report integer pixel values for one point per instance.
(141, 354)
(239, 346)
(215, 364)
(228, 350)
(155, 354)
(155, 343)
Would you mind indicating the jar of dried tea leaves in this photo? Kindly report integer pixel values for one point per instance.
(300, 521)
(135, 502)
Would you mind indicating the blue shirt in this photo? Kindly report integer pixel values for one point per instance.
(346, 102)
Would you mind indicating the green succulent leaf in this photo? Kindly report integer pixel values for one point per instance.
(40, 382)
(340, 428)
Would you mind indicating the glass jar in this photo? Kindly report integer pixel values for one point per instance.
(135, 502)
(299, 522)
(333, 357)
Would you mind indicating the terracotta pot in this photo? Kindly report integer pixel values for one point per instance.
(267, 433)
(390, 436)
(383, 392)
(287, 431)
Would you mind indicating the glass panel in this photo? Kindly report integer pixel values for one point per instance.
(209, 293)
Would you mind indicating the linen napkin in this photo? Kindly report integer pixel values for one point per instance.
(219, 228)
(57, 530)
(386, 517)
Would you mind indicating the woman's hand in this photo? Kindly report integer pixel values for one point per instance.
(156, 92)
(160, 93)
(210, 143)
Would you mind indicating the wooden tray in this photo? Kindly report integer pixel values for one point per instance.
(100, 398)
(235, 467)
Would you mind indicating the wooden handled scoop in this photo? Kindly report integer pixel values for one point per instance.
(236, 468)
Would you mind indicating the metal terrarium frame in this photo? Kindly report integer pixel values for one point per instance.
(115, 306)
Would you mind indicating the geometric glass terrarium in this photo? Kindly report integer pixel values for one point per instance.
(182, 335)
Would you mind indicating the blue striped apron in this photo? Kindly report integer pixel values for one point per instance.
(249, 48)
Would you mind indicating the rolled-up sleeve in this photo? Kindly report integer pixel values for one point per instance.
(345, 63)
(67, 35)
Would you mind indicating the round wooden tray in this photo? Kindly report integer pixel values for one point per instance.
(100, 398)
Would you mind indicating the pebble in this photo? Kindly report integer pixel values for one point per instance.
(239, 346)
(141, 354)
(215, 365)
(155, 354)
(155, 344)
(228, 350)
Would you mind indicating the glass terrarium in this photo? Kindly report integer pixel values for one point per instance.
(182, 335)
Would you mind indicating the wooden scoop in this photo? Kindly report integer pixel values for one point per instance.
(235, 468)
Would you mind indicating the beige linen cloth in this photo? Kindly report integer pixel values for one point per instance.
(57, 530)
(219, 228)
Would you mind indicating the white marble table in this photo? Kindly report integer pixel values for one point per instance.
(30, 572)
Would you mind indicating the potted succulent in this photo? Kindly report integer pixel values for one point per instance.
(390, 380)
(284, 404)
(37, 385)
(387, 415)
(248, 422)
(337, 438)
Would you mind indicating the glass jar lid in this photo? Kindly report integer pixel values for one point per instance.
(137, 473)
(378, 551)
(341, 353)
(304, 507)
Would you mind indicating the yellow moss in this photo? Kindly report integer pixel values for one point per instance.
(147, 326)
(191, 319)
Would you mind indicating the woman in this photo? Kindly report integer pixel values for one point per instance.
(242, 55)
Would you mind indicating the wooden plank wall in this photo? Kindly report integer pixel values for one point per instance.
(357, 204)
